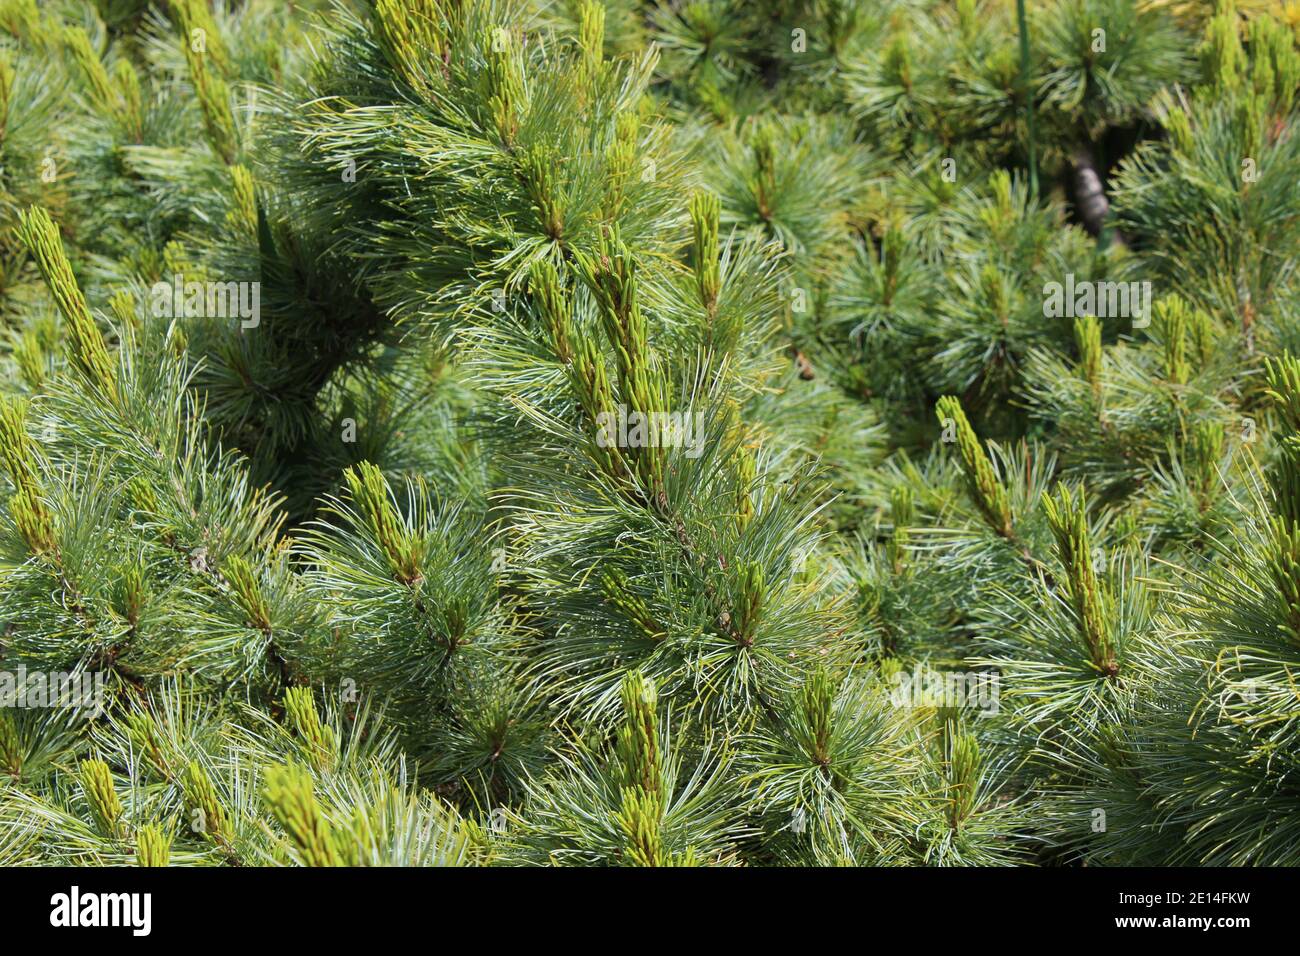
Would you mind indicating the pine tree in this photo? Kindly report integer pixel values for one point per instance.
(504, 432)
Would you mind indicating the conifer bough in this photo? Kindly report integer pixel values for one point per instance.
(368, 582)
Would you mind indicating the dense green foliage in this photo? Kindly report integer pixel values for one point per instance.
(313, 320)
